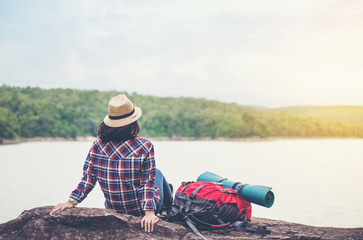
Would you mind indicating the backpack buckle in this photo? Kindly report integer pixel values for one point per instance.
(219, 182)
(194, 193)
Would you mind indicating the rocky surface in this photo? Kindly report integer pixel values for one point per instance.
(94, 223)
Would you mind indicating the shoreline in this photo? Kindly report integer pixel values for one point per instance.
(46, 139)
(173, 138)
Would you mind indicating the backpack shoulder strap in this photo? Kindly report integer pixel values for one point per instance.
(202, 223)
(192, 197)
(194, 228)
(241, 226)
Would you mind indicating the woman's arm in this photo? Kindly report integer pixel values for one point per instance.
(147, 189)
(84, 187)
(147, 192)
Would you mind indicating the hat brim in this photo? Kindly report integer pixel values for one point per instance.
(125, 121)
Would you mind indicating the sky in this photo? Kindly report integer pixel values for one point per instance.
(261, 53)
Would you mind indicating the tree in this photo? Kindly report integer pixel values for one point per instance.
(8, 124)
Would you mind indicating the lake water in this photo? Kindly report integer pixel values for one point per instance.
(315, 182)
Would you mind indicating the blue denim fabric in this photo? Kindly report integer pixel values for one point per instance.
(166, 195)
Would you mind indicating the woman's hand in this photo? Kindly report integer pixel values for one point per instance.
(62, 206)
(148, 221)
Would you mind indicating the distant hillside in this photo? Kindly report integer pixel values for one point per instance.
(30, 112)
(350, 114)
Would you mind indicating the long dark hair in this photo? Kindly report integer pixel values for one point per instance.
(118, 134)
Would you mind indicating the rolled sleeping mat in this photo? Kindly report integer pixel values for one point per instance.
(256, 194)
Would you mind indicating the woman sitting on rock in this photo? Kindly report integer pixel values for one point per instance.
(124, 166)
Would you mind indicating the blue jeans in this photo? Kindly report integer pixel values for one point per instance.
(166, 195)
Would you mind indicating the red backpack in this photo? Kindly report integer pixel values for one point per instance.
(207, 205)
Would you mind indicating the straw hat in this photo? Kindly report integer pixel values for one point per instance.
(121, 112)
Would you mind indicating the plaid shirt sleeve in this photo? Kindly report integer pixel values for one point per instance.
(147, 189)
(88, 180)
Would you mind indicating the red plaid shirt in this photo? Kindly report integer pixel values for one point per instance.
(126, 174)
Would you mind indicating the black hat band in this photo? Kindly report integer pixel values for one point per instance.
(122, 116)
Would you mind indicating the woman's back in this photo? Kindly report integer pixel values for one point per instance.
(125, 172)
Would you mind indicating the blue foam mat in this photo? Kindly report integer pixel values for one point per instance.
(256, 194)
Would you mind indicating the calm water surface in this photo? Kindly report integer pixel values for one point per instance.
(316, 182)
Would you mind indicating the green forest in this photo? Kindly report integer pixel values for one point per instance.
(352, 114)
(27, 112)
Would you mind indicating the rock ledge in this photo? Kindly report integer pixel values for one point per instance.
(94, 223)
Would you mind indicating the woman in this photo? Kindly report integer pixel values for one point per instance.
(124, 166)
